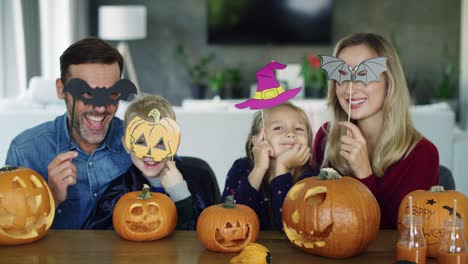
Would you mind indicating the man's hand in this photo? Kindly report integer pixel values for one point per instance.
(62, 173)
(170, 176)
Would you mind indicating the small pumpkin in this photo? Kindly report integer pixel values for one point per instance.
(158, 139)
(253, 253)
(27, 207)
(330, 215)
(144, 216)
(434, 206)
(227, 227)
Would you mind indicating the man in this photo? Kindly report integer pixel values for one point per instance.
(79, 167)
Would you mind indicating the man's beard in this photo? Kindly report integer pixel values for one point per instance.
(85, 132)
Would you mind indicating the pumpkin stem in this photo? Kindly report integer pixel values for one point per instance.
(328, 174)
(437, 188)
(8, 168)
(229, 202)
(145, 193)
(154, 113)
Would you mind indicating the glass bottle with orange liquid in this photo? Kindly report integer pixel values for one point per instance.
(411, 245)
(453, 245)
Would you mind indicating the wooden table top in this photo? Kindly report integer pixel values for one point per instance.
(87, 247)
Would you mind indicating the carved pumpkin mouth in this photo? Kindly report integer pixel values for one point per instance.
(308, 239)
(233, 236)
(304, 236)
(144, 220)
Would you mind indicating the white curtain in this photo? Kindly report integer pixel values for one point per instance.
(12, 52)
(62, 23)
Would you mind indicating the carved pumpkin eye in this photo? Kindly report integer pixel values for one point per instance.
(160, 145)
(141, 141)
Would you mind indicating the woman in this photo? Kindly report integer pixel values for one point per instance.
(380, 146)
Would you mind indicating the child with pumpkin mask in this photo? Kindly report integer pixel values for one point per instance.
(278, 156)
(152, 137)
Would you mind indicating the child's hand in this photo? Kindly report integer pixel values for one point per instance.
(354, 150)
(262, 151)
(296, 157)
(170, 176)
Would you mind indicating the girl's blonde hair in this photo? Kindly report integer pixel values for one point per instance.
(142, 105)
(257, 125)
(398, 134)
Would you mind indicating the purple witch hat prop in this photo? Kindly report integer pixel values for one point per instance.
(269, 91)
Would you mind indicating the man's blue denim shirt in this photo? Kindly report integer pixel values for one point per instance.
(36, 147)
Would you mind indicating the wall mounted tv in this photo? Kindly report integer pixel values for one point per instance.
(283, 22)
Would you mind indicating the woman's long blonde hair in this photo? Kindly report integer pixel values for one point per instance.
(398, 134)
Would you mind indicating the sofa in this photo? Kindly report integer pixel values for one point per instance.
(216, 131)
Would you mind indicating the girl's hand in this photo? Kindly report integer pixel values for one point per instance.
(170, 176)
(291, 159)
(262, 151)
(354, 150)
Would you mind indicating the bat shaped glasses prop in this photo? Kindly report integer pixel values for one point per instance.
(366, 72)
(100, 96)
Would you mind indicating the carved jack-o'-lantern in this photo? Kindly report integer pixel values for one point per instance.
(27, 207)
(227, 227)
(144, 216)
(159, 139)
(434, 206)
(330, 215)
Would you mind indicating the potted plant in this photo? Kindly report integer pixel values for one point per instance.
(226, 82)
(315, 80)
(446, 91)
(197, 71)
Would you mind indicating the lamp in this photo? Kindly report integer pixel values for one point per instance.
(122, 23)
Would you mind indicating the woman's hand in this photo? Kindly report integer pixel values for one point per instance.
(354, 150)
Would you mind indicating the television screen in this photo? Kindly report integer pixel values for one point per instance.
(269, 21)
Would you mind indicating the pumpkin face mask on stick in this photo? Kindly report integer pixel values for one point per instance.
(330, 215)
(159, 139)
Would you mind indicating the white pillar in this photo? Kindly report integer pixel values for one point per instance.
(56, 34)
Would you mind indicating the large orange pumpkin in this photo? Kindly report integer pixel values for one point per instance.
(227, 227)
(144, 216)
(434, 206)
(330, 215)
(27, 207)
